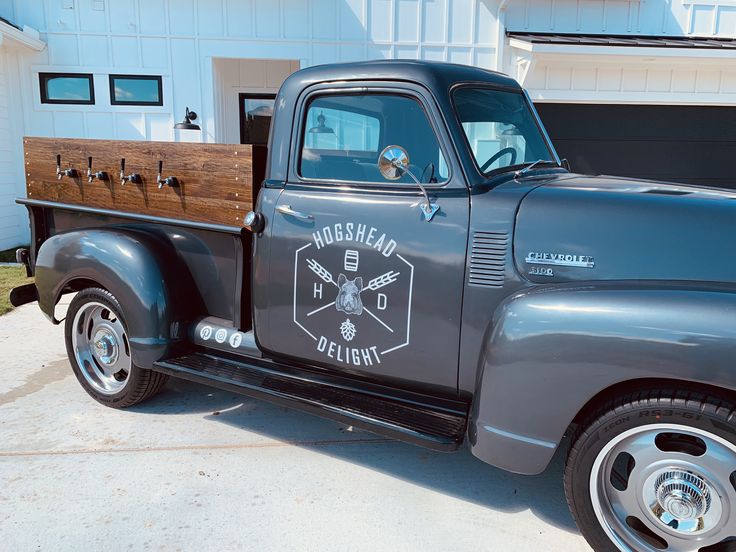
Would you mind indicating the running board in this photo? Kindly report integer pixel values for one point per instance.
(437, 428)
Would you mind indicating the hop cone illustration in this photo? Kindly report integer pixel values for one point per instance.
(347, 329)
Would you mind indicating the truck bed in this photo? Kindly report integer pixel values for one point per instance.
(217, 183)
(201, 218)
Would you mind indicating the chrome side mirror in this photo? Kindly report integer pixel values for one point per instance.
(393, 163)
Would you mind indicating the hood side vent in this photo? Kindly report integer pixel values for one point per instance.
(488, 259)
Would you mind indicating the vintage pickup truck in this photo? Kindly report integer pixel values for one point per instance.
(421, 264)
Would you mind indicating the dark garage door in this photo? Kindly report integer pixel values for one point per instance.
(695, 145)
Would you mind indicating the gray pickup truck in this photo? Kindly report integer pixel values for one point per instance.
(421, 264)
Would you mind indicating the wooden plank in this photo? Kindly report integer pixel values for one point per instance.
(216, 181)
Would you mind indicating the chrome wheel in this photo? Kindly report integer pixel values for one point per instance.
(101, 348)
(666, 487)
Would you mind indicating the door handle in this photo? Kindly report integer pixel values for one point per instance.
(287, 210)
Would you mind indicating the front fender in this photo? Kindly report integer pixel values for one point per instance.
(133, 265)
(553, 348)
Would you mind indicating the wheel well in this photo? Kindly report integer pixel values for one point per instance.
(630, 386)
(78, 284)
(73, 286)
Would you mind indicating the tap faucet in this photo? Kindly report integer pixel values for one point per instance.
(99, 175)
(170, 181)
(135, 178)
(69, 172)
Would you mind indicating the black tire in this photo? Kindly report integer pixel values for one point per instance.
(701, 412)
(140, 384)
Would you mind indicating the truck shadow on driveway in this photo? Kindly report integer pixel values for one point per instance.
(458, 474)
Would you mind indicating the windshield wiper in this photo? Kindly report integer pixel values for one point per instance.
(522, 172)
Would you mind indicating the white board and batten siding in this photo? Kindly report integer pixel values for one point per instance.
(190, 42)
(13, 222)
(208, 51)
(625, 74)
(181, 39)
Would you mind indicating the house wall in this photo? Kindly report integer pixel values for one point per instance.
(189, 43)
(181, 40)
(13, 219)
(634, 81)
(641, 17)
(235, 76)
(605, 75)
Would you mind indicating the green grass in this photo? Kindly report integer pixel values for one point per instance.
(10, 277)
(8, 256)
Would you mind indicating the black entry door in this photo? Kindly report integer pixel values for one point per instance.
(256, 111)
(689, 144)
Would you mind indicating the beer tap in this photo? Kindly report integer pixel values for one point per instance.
(135, 178)
(170, 181)
(70, 172)
(99, 175)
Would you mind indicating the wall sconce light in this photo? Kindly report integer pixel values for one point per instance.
(187, 123)
(321, 128)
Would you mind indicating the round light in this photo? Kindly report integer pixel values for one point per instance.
(254, 221)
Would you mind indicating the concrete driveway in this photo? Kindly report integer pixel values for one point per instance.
(201, 469)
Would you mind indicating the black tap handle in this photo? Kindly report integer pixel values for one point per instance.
(122, 165)
(160, 166)
(58, 160)
(89, 163)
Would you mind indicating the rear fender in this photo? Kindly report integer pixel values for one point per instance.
(141, 269)
(549, 350)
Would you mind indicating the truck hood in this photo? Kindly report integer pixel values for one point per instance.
(574, 228)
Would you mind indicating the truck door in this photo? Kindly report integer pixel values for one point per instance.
(359, 281)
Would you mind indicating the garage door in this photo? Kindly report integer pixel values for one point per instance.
(694, 145)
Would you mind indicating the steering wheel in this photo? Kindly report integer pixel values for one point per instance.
(496, 156)
(432, 178)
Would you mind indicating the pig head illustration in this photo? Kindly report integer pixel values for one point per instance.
(348, 298)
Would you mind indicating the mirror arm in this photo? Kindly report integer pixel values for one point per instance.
(393, 163)
(416, 181)
(428, 208)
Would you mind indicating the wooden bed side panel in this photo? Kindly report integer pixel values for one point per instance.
(216, 181)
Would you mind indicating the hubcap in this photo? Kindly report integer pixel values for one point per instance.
(106, 346)
(683, 501)
(666, 487)
(101, 348)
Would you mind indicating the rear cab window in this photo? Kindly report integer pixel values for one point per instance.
(344, 133)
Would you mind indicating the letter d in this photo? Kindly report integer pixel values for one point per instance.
(322, 344)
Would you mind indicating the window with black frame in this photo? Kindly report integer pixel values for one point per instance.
(256, 111)
(136, 90)
(67, 88)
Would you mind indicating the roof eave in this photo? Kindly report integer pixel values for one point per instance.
(21, 38)
(582, 50)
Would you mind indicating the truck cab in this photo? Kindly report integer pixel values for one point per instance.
(421, 264)
(363, 260)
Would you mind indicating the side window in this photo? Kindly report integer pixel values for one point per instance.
(349, 130)
(343, 135)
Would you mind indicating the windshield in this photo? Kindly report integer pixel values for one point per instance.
(501, 129)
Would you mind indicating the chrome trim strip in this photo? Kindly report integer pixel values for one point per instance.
(521, 438)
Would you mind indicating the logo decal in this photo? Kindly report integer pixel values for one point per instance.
(348, 299)
(347, 330)
(363, 313)
(221, 335)
(235, 340)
